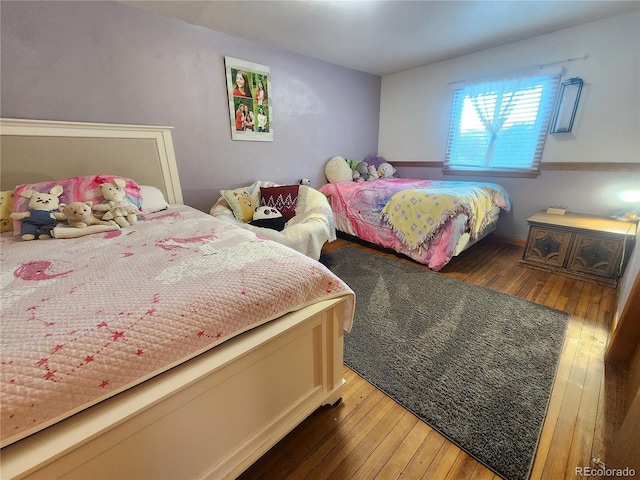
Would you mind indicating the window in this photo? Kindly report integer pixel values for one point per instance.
(500, 127)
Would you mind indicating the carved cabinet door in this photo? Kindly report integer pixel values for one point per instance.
(595, 255)
(548, 246)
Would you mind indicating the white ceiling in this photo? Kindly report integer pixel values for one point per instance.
(386, 36)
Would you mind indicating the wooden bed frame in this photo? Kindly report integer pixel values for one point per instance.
(210, 417)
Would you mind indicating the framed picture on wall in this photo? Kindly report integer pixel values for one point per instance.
(249, 90)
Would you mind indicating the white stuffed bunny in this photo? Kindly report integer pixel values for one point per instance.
(122, 211)
(43, 214)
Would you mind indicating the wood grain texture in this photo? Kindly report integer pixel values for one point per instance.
(368, 436)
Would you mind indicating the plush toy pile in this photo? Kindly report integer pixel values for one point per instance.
(364, 172)
(43, 214)
(339, 169)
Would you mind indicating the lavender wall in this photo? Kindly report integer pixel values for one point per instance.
(107, 62)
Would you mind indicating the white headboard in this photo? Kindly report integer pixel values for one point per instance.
(39, 150)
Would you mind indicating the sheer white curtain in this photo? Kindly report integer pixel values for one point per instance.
(493, 102)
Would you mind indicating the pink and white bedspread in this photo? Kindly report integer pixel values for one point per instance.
(424, 219)
(89, 317)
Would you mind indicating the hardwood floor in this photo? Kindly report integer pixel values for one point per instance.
(370, 436)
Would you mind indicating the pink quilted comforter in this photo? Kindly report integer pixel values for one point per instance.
(86, 318)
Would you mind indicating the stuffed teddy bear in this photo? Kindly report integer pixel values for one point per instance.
(6, 207)
(122, 211)
(360, 172)
(42, 216)
(78, 215)
(268, 217)
(373, 173)
(246, 205)
(386, 170)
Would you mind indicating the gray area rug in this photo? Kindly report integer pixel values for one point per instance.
(476, 365)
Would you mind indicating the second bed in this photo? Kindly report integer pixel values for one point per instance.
(430, 221)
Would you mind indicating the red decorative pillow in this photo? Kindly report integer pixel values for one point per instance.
(283, 198)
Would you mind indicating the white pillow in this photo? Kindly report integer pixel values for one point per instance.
(152, 199)
(338, 170)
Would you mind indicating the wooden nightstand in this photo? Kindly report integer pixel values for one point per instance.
(586, 247)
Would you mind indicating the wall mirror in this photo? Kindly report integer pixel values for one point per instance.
(566, 106)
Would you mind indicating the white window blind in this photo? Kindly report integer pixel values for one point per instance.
(501, 125)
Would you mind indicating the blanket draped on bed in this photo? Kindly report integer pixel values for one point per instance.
(86, 318)
(429, 232)
(416, 215)
(306, 232)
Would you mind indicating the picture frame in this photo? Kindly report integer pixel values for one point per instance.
(249, 92)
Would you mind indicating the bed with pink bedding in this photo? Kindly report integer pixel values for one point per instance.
(180, 347)
(79, 325)
(427, 220)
